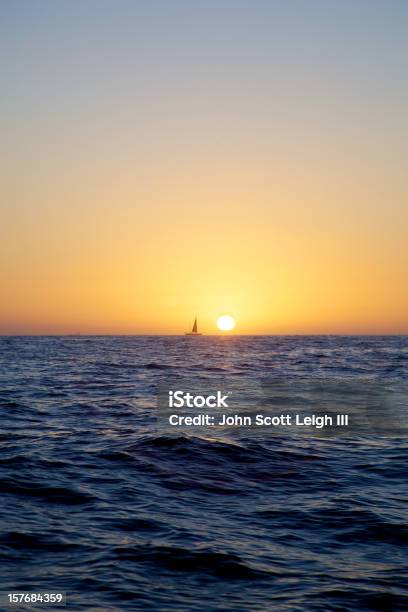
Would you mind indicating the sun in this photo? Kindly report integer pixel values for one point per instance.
(225, 322)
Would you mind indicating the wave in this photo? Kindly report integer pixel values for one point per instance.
(17, 540)
(51, 494)
(179, 559)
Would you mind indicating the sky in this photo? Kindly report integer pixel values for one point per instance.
(164, 159)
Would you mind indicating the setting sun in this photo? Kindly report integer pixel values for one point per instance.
(225, 323)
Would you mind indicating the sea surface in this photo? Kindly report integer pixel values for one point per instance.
(99, 502)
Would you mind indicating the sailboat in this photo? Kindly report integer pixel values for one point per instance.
(194, 331)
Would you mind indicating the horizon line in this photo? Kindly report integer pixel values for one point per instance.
(180, 335)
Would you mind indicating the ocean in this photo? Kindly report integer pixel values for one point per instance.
(100, 502)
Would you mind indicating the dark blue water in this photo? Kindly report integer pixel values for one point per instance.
(97, 502)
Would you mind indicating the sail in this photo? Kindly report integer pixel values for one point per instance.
(194, 330)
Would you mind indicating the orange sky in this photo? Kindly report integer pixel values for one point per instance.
(179, 177)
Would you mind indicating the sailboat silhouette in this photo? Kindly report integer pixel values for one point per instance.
(194, 331)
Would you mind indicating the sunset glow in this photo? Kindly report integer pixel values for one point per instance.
(148, 176)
